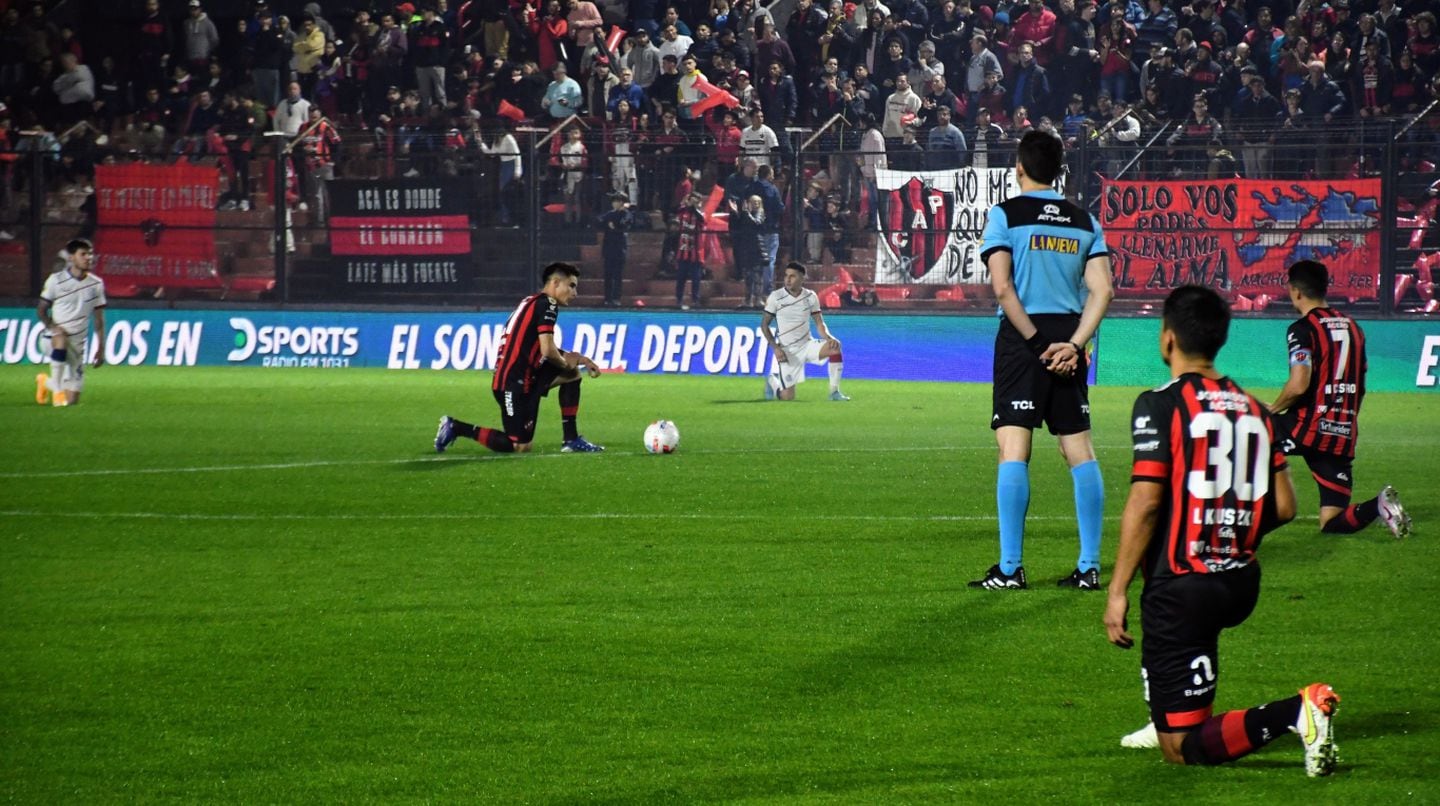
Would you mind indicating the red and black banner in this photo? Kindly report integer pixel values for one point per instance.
(1239, 236)
(156, 224)
(404, 234)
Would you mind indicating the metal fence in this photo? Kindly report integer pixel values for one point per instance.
(1362, 195)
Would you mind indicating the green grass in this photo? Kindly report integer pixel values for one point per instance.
(262, 586)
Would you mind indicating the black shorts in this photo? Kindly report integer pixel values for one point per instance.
(1181, 619)
(1026, 394)
(1333, 474)
(519, 408)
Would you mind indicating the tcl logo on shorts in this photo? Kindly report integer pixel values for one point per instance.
(1022, 405)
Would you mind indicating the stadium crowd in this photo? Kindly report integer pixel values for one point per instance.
(910, 83)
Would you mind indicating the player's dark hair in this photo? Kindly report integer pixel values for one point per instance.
(1199, 318)
(77, 244)
(1042, 155)
(796, 265)
(558, 267)
(1311, 278)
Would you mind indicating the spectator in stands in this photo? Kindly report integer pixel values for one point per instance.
(994, 98)
(688, 261)
(563, 97)
(622, 142)
(937, 97)
(903, 101)
(154, 42)
(1372, 82)
(1160, 72)
(1118, 139)
(746, 94)
(319, 147)
(270, 58)
(925, 66)
(1203, 74)
(643, 59)
(837, 40)
(1029, 84)
(292, 115)
(75, 89)
(200, 38)
(387, 58)
(945, 145)
(984, 139)
(1157, 29)
(584, 22)
(1185, 145)
(672, 43)
(1293, 140)
(598, 88)
(727, 144)
(1036, 26)
(1260, 37)
(867, 93)
(837, 230)
(1256, 115)
(981, 63)
(512, 169)
(1321, 98)
(774, 207)
(574, 162)
(758, 141)
(1407, 91)
(778, 96)
(628, 90)
(948, 31)
(815, 225)
(1424, 44)
(895, 64)
(1116, 43)
(805, 29)
(869, 157)
(1077, 56)
(429, 46)
(237, 125)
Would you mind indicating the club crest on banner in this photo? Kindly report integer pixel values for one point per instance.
(931, 223)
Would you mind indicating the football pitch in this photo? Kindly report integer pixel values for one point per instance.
(254, 585)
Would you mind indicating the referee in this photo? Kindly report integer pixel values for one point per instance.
(1050, 269)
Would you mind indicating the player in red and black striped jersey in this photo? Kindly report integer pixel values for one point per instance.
(1209, 481)
(528, 366)
(1319, 406)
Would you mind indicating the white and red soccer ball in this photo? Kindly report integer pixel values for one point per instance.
(662, 436)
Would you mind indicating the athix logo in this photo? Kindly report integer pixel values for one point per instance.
(1051, 212)
(1142, 422)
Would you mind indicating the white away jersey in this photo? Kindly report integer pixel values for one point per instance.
(72, 301)
(792, 314)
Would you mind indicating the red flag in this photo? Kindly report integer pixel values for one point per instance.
(509, 110)
(612, 42)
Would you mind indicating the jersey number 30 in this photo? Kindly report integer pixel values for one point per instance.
(1236, 459)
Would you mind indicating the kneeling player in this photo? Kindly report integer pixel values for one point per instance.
(1209, 481)
(1320, 405)
(528, 365)
(791, 307)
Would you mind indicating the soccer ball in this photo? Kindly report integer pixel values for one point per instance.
(662, 436)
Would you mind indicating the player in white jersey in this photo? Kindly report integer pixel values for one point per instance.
(792, 307)
(69, 299)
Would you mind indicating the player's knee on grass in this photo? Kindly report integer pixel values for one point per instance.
(522, 447)
(1172, 747)
(786, 394)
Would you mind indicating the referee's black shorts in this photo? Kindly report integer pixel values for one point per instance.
(1181, 619)
(1026, 393)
